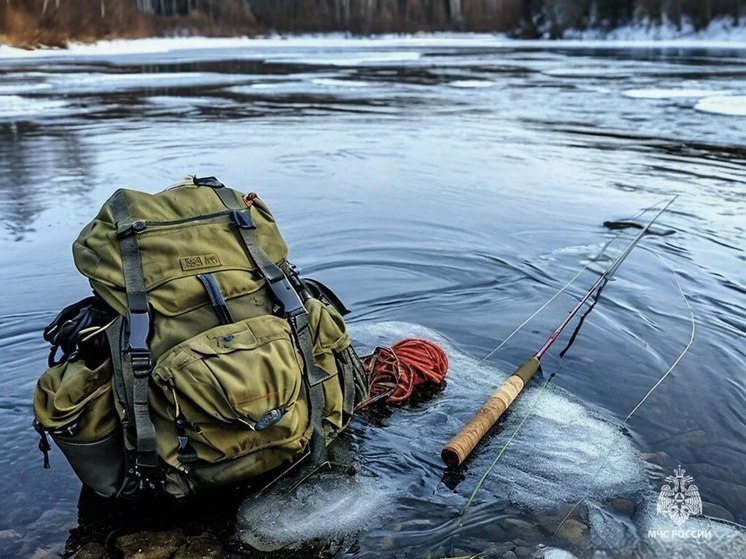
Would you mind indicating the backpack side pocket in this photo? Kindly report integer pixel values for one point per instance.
(75, 405)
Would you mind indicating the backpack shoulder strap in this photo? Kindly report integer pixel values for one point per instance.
(291, 308)
(136, 358)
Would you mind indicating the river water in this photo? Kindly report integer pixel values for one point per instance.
(446, 188)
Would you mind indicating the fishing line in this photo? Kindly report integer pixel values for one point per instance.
(568, 284)
(575, 332)
(528, 414)
(452, 447)
(557, 294)
(513, 435)
(649, 393)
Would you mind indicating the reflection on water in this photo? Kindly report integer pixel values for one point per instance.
(450, 184)
(41, 168)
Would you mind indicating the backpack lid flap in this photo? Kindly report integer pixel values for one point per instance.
(183, 232)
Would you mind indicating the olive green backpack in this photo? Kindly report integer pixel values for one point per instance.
(202, 359)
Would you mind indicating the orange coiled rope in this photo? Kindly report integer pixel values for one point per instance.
(393, 373)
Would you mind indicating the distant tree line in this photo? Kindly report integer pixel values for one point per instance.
(35, 22)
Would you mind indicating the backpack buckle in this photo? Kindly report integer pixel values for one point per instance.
(242, 219)
(139, 330)
(141, 361)
(286, 298)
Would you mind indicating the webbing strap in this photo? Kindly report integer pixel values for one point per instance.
(116, 334)
(348, 383)
(210, 283)
(290, 307)
(247, 230)
(313, 381)
(227, 196)
(317, 400)
(136, 357)
(134, 283)
(302, 330)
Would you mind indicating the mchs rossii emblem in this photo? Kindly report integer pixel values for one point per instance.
(679, 497)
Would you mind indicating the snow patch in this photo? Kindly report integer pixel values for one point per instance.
(732, 105)
(352, 59)
(327, 506)
(15, 107)
(671, 93)
(471, 84)
(720, 34)
(720, 29)
(102, 82)
(176, 102)
(21, 88)
(591, 72)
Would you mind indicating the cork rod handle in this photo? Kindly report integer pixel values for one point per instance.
(461, 445)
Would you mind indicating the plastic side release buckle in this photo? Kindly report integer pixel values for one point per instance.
(286, 298)
(139, 330)
(242, 219)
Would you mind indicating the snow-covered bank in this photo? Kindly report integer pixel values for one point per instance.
(719, 35)
(719, 30)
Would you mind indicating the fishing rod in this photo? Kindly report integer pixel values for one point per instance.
(464, 442)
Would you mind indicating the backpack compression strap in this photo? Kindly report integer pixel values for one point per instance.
(291, 308)
(137, 363)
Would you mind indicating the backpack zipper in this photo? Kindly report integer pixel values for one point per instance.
(140, 225)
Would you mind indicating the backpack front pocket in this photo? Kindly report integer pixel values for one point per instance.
(227, 392)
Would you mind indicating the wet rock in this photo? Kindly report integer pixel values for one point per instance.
(387, 542)
(716, 511)
(150, 545)
(624, 506)
(520, 527)
(549, 522)
(414, 525)
(509, 555)
(572, 531)
(496, 550)
(573, 510)
(201, 547)
(9, 534)
(523, 551)
(91, 550)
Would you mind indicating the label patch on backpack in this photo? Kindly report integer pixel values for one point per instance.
(199, 261)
